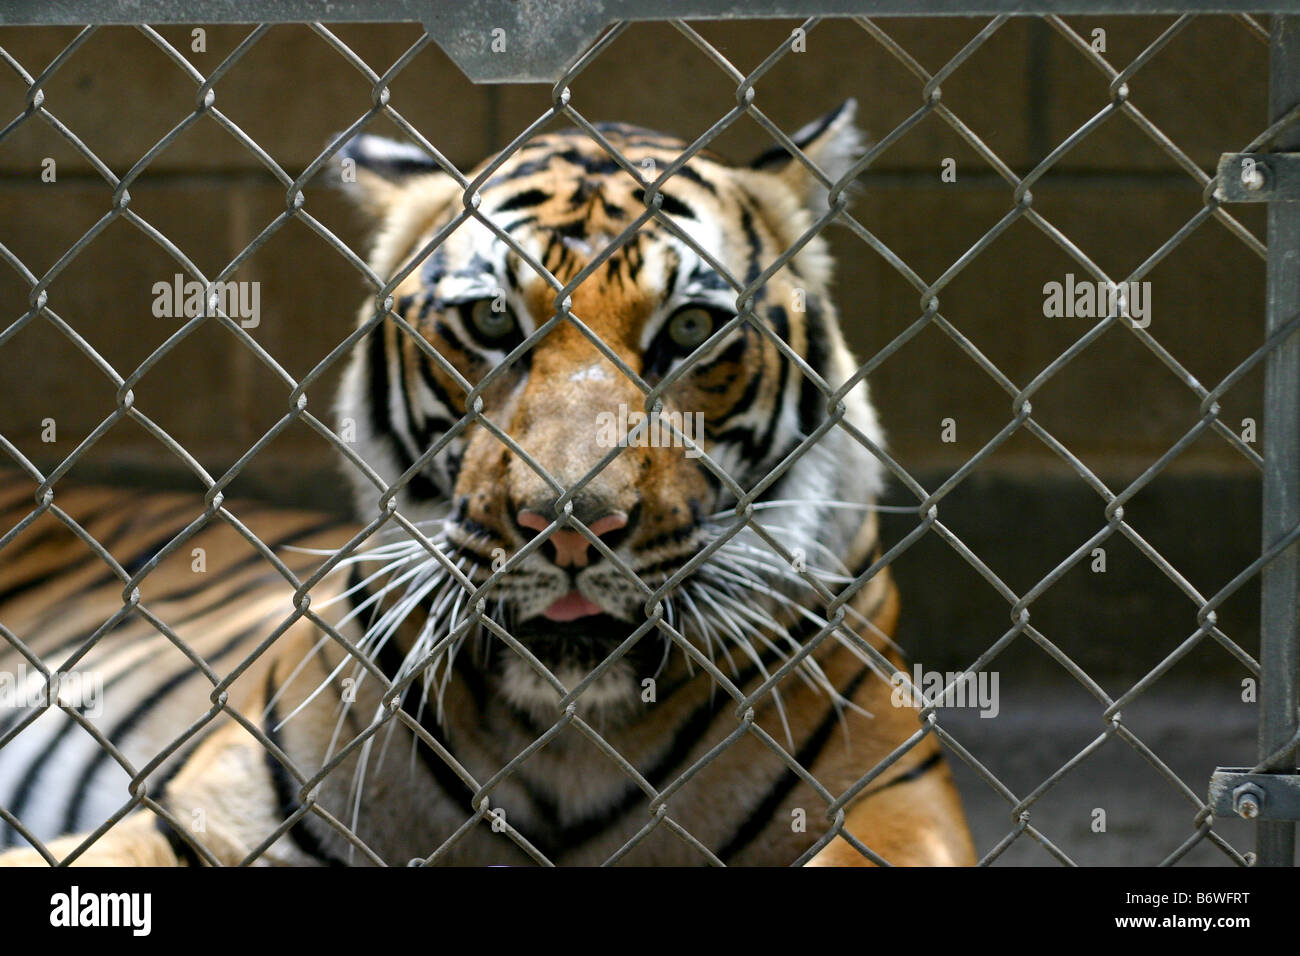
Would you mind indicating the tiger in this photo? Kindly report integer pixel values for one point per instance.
(615, 593)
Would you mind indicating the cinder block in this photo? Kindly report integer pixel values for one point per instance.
(121, 94)
(1116, 403)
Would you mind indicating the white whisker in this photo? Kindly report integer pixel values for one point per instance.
(747, 646)
(823, 503)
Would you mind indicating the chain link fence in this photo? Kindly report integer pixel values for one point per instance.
(538, 55)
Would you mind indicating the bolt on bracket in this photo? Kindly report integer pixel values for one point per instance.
(1258, 177)
(1236, 792)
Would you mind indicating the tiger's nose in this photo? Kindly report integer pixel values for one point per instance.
(568, 547)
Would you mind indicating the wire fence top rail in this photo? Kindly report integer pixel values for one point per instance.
(550, 35)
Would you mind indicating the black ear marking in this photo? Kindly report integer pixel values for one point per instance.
(375, 172)
(833, 145)
(386, 158)
(778, 156)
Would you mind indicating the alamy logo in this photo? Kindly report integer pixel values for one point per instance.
(75, 908)
(662, 430)
(26, 690)
(188, 300)
(951, 689)
(1096, 300)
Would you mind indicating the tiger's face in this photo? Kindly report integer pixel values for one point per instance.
(552, 441)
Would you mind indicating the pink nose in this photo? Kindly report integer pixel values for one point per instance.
(571, 546)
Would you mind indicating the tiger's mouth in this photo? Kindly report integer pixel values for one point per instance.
(549, 597)
(572, 606)
(541, 633)
(583, 642)
(570, 651)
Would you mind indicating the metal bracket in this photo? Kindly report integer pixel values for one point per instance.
(1259, 177)
(1236, 792)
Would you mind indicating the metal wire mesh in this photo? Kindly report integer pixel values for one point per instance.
(1124, 86)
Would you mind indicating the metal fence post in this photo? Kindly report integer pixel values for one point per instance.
(1280, 580)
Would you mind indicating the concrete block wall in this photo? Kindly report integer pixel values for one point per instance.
(1116, 196)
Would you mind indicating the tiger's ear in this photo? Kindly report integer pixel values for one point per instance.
(833, 143)
(375, 171)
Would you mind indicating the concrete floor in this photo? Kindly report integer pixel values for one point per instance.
(1191, 727)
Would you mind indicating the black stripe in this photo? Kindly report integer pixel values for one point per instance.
(400, 344)
(71, 815)
(389, 660)
(763, 448)
(761, 816)
(931, 762)
(434, 268)
(393, 169)
(185, 593)
(454, 344)
(302, 837)
(513, 226)
(30, 542)
(47, 621)
(612, 210)
(705, 277)
(524, 199)
(779, 156)
(686, 739)
(691, 175)
(746, 399)
(812, 403)
(420, 486)
(158, 785)
(446, 778)
(733, 354)
(754, 242)
(671, 205)
(242, 564)
(184, 853)
(23, 793)
(920, 770)
(140, 557)
(377, 361)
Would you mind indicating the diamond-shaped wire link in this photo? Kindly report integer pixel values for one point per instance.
(835, 622)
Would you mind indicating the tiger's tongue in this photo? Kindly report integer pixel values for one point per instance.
(571, 607)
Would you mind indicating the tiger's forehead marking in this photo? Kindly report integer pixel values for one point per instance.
(595, 372)
(583, 247)
(564, 202)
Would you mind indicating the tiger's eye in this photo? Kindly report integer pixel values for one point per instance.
(689, 327)
(490, 321)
